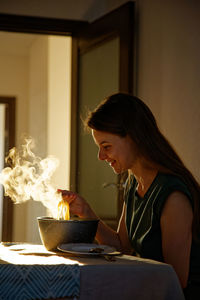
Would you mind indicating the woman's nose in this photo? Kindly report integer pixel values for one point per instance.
(101, 155)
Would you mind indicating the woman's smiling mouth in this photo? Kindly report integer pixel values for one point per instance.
(111, 162)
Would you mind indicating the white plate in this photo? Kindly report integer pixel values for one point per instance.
(85, 249)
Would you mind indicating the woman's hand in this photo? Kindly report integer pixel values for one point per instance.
(78, 206)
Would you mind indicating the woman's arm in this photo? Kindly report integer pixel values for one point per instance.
(119, 239)
(176, 227)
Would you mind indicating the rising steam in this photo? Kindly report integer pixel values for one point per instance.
(29, 177)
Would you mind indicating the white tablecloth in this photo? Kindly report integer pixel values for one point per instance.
(125, 278)
(128, 278)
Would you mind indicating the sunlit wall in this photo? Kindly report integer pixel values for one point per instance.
(59, 107)
(49, 122)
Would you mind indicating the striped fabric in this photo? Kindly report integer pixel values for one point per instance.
(25, 282)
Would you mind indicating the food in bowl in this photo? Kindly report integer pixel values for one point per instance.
(54, 232)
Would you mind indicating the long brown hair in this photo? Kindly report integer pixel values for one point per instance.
(124, 114)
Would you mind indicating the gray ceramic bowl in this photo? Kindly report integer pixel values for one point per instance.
(54, 232)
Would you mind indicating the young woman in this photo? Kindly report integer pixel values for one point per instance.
(161, 214)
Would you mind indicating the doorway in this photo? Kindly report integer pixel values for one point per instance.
(36, 69)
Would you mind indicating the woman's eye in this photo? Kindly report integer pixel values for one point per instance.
(106, 147)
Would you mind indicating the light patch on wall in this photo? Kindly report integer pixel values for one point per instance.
(59, 106)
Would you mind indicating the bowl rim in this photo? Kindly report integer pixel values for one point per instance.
(75, 220)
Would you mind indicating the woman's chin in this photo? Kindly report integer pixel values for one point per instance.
(117, 170)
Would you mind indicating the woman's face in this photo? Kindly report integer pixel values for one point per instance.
(119, 152)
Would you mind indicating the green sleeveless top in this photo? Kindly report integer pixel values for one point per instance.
(143, 218)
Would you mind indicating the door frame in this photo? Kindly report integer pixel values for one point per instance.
(10, 116)
(118, 23)
(41, 25)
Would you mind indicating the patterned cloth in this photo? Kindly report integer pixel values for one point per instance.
(26, 282)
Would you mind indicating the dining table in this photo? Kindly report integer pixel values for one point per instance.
(29, 271)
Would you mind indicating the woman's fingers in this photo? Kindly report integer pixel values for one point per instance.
(78, 205)
(68, 195)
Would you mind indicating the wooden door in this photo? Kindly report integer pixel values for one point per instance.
(102, 64)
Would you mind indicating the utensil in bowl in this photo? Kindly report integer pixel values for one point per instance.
(54, 232)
